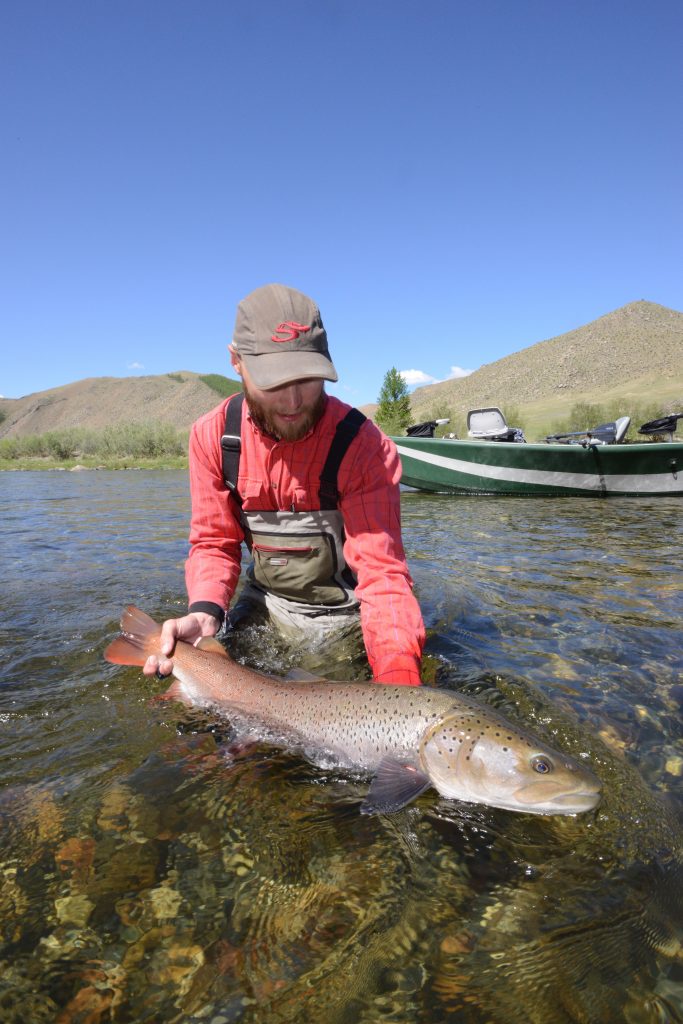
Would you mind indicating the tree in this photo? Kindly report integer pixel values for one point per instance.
(393, 410)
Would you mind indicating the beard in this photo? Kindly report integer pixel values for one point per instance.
(267, 422)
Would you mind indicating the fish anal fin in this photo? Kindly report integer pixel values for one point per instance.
(300, 675)
(213, 646)
(394, 786)
(176, 691)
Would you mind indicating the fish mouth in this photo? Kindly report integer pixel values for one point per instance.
(583, 801)
(534, 800)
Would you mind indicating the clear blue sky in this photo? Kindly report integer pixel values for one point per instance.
(451, 181)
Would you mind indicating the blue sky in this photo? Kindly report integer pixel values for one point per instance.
(451, 181)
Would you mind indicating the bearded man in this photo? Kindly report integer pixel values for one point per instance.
(311, 486)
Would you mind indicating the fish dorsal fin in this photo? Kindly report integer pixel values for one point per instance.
(300, 675)
(394, 786)
(213, 646)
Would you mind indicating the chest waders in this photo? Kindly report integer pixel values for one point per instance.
(298, 556)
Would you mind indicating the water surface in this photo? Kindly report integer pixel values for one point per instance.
(153, 871)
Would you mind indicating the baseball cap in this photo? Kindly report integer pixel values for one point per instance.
(280, 336)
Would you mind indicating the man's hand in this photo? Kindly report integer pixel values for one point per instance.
(189, 628)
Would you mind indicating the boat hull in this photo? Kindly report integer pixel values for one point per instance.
(486, 467)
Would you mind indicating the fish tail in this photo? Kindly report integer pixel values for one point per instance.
(139, 639)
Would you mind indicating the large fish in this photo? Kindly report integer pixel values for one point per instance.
(407, 738)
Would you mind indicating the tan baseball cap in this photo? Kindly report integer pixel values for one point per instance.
(280, 336)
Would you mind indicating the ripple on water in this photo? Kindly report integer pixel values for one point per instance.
(152, 869)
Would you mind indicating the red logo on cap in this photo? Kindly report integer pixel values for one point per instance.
(288, 331)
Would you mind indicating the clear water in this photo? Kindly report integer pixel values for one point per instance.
(152, 871)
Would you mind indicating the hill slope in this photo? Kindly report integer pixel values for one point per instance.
(98, 402)
(632, 354)
(635, 352)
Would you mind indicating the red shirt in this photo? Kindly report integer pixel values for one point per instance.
(284, 476)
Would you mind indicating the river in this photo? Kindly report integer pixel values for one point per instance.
(152, 871)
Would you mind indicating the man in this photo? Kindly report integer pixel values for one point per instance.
(310, 485)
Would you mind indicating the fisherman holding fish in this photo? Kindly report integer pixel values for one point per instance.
(311, 486)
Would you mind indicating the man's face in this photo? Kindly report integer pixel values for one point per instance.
(286, 413)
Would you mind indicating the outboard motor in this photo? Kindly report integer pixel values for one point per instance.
(606, 433)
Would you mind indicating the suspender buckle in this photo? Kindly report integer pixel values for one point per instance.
(231, 443)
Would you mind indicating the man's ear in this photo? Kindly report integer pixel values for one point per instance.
(235, 360)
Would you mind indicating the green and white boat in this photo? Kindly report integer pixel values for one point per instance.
(587, 463)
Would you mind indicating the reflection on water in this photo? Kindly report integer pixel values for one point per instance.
(153, 870)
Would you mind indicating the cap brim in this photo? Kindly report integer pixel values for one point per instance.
(273, 370)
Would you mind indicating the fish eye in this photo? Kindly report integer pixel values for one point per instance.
(542, 765)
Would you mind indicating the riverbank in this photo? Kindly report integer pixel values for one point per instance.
(93, 464)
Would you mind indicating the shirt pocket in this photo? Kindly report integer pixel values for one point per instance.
(256, 493)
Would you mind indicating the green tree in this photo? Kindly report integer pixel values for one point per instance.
(393, 410)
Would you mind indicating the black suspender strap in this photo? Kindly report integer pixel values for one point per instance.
(231, 444)
(344, 435)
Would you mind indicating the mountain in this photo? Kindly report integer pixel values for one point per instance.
(633, 354)
(98, 402)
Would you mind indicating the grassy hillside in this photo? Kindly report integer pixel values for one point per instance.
(629, 362)
(98, 403)
(108, 422)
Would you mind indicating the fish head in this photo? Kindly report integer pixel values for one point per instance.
(482, 758)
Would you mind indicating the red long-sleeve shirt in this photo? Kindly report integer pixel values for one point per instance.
(284, 476)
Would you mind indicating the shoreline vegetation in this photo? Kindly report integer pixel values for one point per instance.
(150, 444)
(121, 446)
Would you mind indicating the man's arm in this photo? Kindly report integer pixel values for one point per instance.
(392, 624)
(213, 565)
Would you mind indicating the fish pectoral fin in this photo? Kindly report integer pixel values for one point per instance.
(300, 675)
(394, 786)
(213, 646)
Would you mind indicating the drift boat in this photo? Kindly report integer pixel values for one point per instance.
(495, 459)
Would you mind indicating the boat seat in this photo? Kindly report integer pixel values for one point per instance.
(490, 425)
(620, 427)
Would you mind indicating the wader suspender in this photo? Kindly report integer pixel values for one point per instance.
(343, 436)
(231, 444)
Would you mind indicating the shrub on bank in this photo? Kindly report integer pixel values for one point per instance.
(127, 440)
(585, 415)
